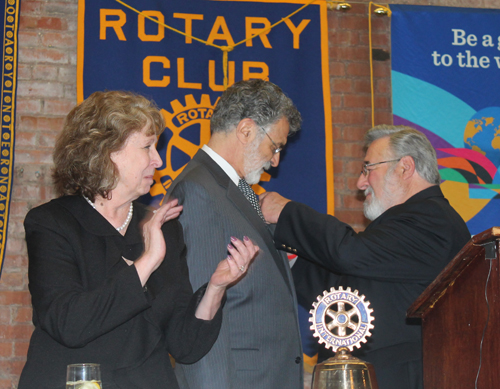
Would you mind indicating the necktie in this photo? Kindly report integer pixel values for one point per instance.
(250, 195)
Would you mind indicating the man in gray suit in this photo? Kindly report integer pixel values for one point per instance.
(259, 342)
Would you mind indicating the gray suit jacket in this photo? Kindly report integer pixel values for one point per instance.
(259, 343)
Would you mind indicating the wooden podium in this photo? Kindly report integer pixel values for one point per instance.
(454, 313)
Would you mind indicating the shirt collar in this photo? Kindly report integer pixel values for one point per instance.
(224, 165)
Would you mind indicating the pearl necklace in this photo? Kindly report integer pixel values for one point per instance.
(127, 220)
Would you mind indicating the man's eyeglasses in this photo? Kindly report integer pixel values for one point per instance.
(365, 169)
(276, 148)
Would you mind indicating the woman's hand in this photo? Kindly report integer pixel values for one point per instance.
(154, 242)
(229, 271)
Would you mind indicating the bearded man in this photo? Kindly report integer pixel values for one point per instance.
(414, 233)
(259, 343)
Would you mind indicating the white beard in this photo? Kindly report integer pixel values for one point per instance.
(254, 176)
(374, 208)
(377, 206)
(254, 166)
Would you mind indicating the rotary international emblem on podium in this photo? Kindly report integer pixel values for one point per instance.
(341, 320)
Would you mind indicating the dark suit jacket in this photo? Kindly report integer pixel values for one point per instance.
(259, 343)
(89, 305)
(391, 262)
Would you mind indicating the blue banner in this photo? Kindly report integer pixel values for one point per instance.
(121, 49)
(445, 78)
(10, 26)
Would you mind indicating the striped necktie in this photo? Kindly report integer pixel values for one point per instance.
(250, 195)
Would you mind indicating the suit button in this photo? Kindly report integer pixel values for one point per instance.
(283, 245)
(289, 248)
(297, 360)
(294, 250)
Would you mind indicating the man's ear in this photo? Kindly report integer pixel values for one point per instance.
(408, 165)
(246, 131)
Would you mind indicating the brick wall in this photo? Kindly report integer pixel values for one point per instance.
(351, 99)
(47, 91)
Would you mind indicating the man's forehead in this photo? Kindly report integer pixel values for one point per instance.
(379, 148)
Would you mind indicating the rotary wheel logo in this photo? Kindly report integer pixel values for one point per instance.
(187, 130)
(341, 318)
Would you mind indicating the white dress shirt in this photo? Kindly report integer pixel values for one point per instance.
(224, 165)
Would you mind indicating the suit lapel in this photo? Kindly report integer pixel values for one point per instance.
(246, 209)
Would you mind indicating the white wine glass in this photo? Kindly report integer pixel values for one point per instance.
(83, 376)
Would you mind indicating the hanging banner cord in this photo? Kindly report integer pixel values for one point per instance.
(371, 54)
(225, 49)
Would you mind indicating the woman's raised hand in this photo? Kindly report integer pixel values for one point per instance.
(154, 243)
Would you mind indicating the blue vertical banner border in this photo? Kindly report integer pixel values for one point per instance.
(8, 111)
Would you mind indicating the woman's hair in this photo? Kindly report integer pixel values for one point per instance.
(94, 129)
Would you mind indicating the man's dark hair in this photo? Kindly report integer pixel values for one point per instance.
(259, 100)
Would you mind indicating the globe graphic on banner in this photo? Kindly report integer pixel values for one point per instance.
(467, 144)
(482, 134)
(471, 175)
